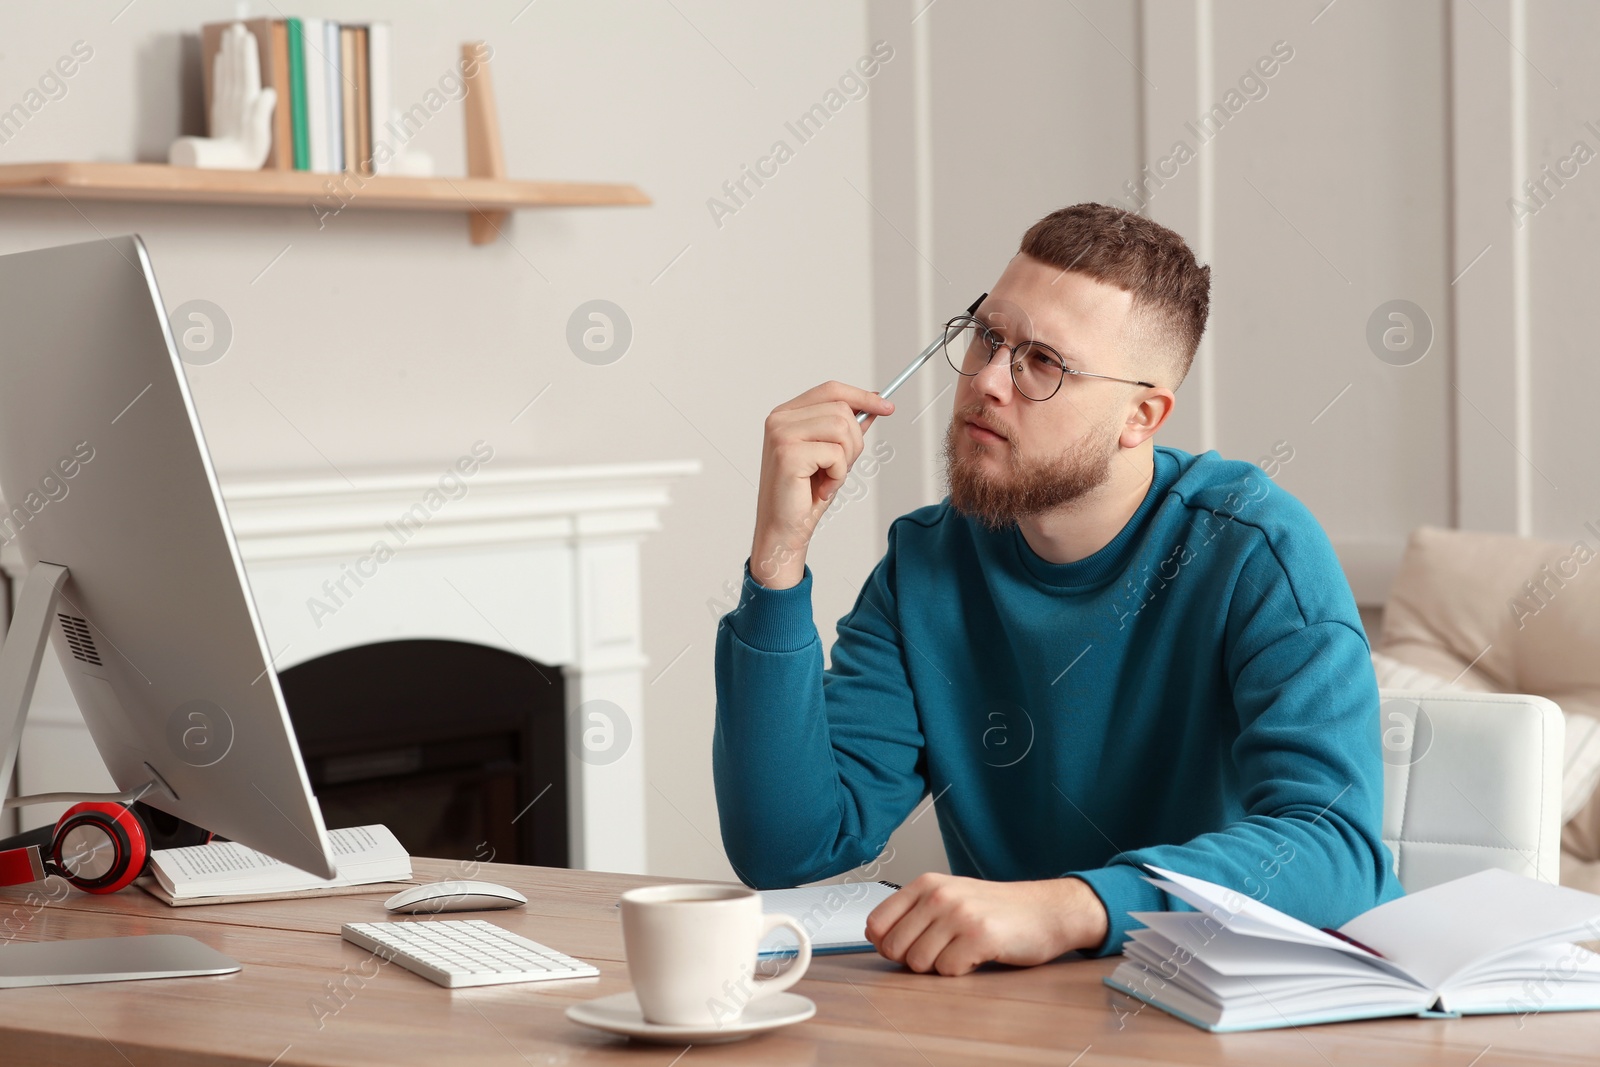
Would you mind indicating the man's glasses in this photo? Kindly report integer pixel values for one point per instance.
(1037, 370)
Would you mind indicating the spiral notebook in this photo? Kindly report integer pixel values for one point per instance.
(835, 916)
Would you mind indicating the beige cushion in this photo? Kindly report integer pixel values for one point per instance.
(1499, 613)
(1464, 598)
(1394, 674)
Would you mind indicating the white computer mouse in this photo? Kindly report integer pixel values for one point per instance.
(454, 896)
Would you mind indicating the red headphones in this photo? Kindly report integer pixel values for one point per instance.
(97, 846)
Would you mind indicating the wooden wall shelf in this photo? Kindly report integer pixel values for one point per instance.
(297, 188)
(485, 197)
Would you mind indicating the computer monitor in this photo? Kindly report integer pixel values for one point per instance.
(105, 472)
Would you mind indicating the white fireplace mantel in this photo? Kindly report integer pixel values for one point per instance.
(541, 561)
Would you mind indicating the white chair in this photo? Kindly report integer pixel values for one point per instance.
(1471, 781)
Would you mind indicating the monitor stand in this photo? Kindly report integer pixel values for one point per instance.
(99, 959)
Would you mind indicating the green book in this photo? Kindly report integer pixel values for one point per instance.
(297, 93)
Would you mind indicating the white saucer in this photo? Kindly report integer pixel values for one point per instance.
(620, 1014)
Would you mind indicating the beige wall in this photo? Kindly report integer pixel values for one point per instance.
(1525, 310)
(1374, 164)
(388, 339)
(1315, 202)
(1375, 167)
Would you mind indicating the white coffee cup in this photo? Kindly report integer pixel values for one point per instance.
(692, 952)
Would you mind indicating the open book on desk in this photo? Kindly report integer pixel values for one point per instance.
(226, 871)
(1491, 942)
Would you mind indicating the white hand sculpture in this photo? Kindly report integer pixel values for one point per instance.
(241, 111)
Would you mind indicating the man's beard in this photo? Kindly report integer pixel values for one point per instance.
(1025, 487)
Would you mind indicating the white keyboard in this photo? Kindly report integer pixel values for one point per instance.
(465, 952)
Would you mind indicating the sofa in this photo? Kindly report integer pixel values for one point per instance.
(1497, 613)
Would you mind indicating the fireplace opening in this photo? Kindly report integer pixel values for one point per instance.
(457, 747)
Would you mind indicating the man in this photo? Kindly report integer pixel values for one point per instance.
(1095, 653)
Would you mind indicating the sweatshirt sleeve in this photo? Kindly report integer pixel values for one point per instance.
(1308, 763)
(813, 768)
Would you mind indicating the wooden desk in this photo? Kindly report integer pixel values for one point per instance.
(868, 1009)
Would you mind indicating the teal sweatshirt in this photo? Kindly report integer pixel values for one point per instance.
(1197, 695)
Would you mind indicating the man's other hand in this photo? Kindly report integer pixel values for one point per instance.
(948, 924)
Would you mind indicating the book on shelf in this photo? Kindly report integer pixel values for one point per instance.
(332, 82)
(347, 116)
(272, 47)
(363, 104)
(297, 94)
(378, 92)
(226, 871)
(333, 59)
(316, 72)
(1491, 942)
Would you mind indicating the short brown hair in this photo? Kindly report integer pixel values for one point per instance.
(1133, 253)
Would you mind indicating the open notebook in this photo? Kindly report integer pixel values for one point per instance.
(835, 916)
(1491, 942)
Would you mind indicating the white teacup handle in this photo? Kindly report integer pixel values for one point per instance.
(764, 987)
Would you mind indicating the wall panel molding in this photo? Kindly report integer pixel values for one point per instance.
(1488, 131)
